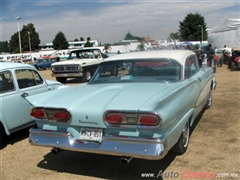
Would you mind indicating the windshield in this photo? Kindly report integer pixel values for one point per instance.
(162, 70)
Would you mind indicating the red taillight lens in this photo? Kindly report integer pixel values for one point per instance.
(38, 113)
(114, 118)
(62, 116)
(148, 120)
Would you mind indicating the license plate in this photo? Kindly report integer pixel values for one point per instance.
(91, 134)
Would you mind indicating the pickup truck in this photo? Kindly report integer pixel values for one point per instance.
(81, 63)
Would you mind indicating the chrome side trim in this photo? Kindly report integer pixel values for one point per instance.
(214, 84)
(150, 149)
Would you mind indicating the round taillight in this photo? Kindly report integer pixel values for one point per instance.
(38, 113)
(148, 120)
(62, 116)
(114, 118)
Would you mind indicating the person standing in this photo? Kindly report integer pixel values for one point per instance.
(200, 57)
(210, 56)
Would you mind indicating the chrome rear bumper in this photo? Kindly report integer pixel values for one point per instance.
(80, 74)
(150, 149)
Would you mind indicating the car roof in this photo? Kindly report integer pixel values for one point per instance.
(10, 65)
(89, 48)
(179, 55)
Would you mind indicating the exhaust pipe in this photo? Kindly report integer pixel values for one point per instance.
(56, 151)
(125, 160)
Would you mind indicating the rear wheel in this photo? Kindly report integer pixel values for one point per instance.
(1, 133)
(39, 68)
(61, 79)
(87, 75)
(181, 146)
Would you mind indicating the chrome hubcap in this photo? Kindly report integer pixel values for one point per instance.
(88, 76)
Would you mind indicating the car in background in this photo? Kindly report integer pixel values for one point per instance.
(17, 81)
(81, 63)
(42, 64)
(137, 105)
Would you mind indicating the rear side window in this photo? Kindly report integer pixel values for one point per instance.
(85, 54)
(191, 66)
(28, 78)
(6, 82)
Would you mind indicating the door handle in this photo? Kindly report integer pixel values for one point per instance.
(24, 95)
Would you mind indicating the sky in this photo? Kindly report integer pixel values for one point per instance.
(109, 21)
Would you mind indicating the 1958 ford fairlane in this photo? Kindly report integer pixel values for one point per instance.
(137, 105)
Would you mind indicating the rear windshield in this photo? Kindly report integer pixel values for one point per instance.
(162, 70)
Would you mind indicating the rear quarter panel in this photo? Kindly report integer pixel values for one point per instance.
(175, 109)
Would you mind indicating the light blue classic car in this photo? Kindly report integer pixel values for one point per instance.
(16, 82)
(137, 105)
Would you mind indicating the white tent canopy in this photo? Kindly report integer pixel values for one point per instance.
(226, 33)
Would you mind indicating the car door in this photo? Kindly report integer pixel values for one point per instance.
(10, 106)
(47, 63)
(193, 71)
(29, 83)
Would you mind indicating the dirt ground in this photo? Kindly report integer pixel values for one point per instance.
(214, 148)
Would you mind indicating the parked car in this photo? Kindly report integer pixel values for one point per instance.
(16, 82)
(42, 64)
(137, 105)
(81, 63)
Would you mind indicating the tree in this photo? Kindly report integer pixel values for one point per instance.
(129, 36)
(24, 33)
(14, 43)
(88, 44)
(82, 39)
(28, 33)
(141, 46)
(4, 46)
(174, 36)
(60, 41)
(190, 27)
(107, 48)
